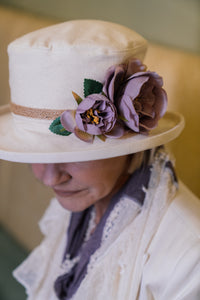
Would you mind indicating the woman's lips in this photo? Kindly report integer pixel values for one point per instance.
(63, 193)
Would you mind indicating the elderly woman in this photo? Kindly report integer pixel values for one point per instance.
(90, 119)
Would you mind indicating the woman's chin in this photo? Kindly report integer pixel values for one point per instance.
(73, 204)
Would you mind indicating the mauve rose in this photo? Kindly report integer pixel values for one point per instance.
(142, 101)
(116, 75)
(139, 96)
(96, 115)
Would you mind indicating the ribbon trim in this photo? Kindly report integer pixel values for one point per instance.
(36, 113)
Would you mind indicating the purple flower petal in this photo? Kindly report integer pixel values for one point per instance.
(162, 104)
(114, 77)
(67, 120)
(127, 111)
(135, 66)
(133, 87)
(138, 95)
(117, 75)
(93, 129)
(96, 115)
(85, 105)
(117, 131)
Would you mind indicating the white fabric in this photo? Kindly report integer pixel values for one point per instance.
(48, 64)
(152, 254)
(30, 141)
(172, 269)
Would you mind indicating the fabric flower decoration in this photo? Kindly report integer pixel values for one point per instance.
(139, 97)
(130, 98)
(95, 115)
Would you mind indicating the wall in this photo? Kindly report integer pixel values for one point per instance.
(172, 22)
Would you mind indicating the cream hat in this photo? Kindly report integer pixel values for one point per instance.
(45, 67)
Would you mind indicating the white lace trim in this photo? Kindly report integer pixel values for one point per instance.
(124, 212)
(123, 205)
(68, 264)
(91, 225)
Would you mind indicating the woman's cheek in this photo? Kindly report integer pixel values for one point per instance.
(37, 170)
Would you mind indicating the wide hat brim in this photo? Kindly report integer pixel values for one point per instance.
(20, 142)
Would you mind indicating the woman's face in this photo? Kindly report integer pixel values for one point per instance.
(78, 185)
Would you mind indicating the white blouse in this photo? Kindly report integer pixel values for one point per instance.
(148, 253)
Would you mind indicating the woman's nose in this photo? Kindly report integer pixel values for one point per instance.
(51, 174)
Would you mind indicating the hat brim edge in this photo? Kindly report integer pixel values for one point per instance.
(127, 146)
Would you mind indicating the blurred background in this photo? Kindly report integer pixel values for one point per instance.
(173, 30)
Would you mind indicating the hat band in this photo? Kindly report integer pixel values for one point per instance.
(36, 113)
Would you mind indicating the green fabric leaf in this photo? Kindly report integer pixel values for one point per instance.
(92, 87)
(57, 128)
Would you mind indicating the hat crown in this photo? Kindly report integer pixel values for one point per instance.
(106, 37)
(48, 64)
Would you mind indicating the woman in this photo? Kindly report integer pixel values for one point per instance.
(85, 113)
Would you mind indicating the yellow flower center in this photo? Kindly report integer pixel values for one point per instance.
(90, 115)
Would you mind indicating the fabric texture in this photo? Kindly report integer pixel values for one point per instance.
(67, 284)
(45, 67)
(50, 54)
(145, 254)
